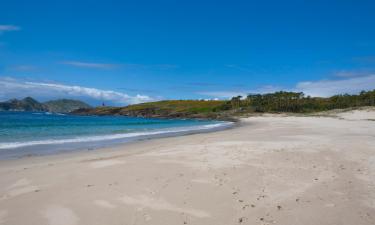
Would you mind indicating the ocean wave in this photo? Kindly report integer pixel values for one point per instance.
(60, 114)
(13, 145)
(49, 113)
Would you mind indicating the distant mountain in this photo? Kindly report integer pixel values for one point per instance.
(26, 104)
(30, 104)
(65, 105)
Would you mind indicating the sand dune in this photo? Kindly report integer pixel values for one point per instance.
(268, 170)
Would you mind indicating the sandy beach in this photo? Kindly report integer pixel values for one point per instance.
(271, 169)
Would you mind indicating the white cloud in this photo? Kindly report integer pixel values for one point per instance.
(324, 88)
(5, 28)
(321, 88)
(16, 88)
(90, 65)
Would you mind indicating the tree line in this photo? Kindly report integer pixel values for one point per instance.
(283, 101)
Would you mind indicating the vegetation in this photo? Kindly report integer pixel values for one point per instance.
(297, 102)
(162, 109)
(294, 102)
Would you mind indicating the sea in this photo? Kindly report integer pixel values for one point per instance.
(40, 133)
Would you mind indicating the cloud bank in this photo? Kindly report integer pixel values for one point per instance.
(325, 88)
(17, 88)
(322, 88)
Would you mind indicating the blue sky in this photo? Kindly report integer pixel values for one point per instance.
(124, 52)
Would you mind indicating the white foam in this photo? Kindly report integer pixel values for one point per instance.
(12, 145)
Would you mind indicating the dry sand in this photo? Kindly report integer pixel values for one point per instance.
(269, 170)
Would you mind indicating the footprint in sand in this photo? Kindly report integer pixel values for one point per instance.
(59, 215)
(105, 163)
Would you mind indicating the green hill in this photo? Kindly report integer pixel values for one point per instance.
(288, 102)
(163, 109)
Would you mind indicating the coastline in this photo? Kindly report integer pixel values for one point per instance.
(123, 149)
(47, 144)
(103, 142)
(272, 169)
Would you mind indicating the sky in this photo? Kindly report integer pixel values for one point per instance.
(127, 52)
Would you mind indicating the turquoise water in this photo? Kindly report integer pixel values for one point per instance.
(39, 133)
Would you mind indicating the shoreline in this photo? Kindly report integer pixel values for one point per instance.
(267, 170)
(50, 147)
(119, 149)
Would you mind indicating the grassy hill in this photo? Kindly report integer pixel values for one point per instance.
(290, 102)
(164, 109)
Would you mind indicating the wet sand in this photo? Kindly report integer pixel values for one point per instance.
(269, 170)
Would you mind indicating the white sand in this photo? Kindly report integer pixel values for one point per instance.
(269, 170)
(364, 114)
